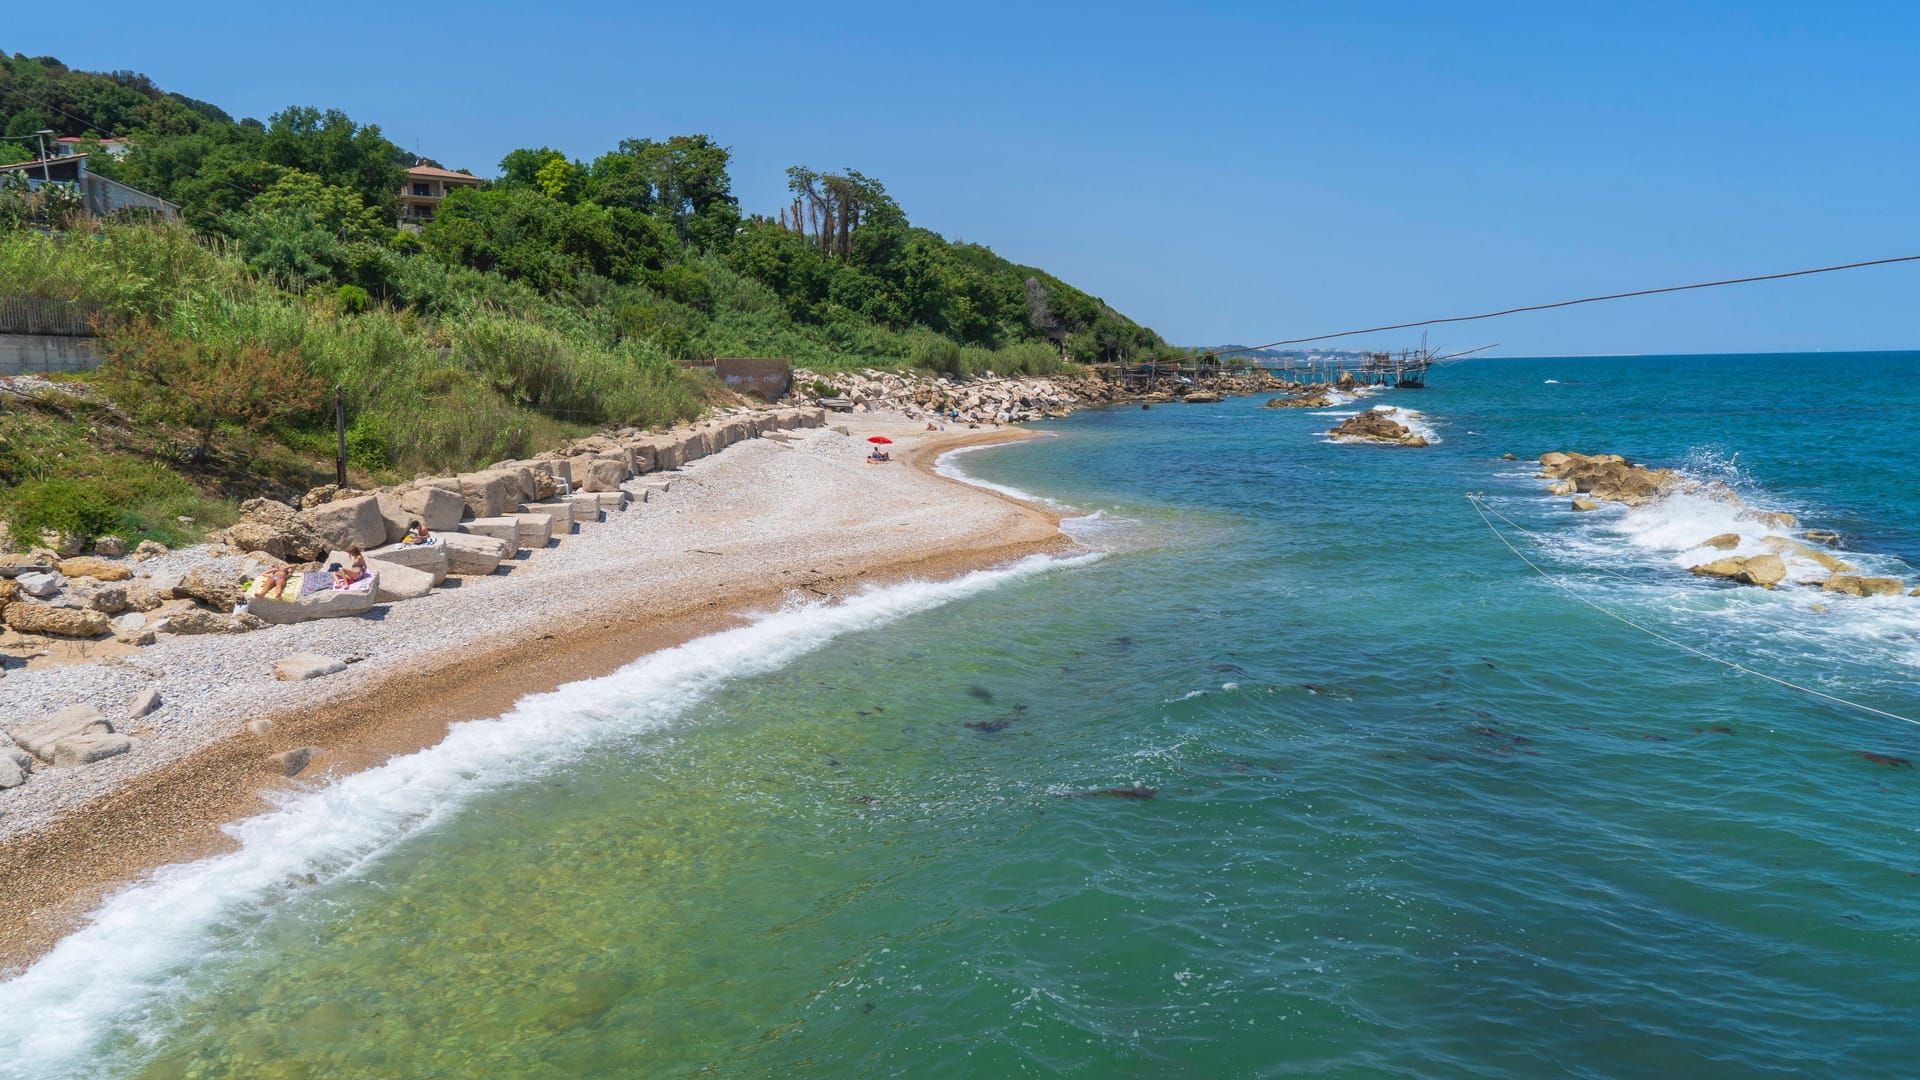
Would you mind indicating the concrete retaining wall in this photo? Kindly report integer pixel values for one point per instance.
(43, 354)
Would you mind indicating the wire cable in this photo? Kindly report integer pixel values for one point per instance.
(1476, 501)
(1561, 304)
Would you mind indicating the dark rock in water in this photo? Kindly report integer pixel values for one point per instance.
(1135, 792)
(980, 692)
(1888, 760)
(988, 726)
(864, 800)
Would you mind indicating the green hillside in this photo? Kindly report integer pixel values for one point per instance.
(556, 297)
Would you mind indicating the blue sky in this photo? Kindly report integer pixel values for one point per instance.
(1222, 172)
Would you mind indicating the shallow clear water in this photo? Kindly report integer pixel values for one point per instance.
(1418, 810)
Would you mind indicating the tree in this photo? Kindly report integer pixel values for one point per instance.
(203, 385)
(331, 146)
(337, 209)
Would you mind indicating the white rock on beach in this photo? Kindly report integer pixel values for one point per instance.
(87, 749)
(398, 582)
(302, 666)
(147, 701)
(11, 774)
(39, 736)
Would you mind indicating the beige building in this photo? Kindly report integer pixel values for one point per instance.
(426, 186)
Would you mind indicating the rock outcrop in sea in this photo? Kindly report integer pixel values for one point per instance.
(1376, 426)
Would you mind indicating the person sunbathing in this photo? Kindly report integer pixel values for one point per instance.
(273, 584)
(354, 571)
(416, 534)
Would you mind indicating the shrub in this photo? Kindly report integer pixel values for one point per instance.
(57, 505)
(353, 299)
(204, 384)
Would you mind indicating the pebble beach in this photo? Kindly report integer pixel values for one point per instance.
(767, 521)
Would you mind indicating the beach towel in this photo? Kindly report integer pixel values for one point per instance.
(428, 542)
(362, 585)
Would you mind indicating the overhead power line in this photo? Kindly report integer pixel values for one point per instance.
(1561, 304)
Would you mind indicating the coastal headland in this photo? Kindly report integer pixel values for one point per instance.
(798, 516)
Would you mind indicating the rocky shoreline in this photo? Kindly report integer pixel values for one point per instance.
(993, 400)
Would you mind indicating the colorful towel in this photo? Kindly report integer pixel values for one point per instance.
(314, 581)
(361, 585)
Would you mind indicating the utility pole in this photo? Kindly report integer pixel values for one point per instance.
(340, 431)
(40, 139)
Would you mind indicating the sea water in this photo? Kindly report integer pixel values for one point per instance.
(1440, 786)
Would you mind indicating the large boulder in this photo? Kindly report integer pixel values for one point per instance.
(1762, 570)
(349, 522)
(325, 604)
(1722, 542)
(605, 474)
(489, 494)
(393, 516)
(29, 618)
(38, 736)
(437, 508)
(41, 585)
(1855, 585)
(276, 529)
(430, 559)
(400, 582)
(109, 600)
(211, 587)
(98, 569)
(474, 555)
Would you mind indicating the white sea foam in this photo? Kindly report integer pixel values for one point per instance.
(111, 974)
(1413, 420)
(948, 465)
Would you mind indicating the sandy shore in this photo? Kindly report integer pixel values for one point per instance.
(748, 529)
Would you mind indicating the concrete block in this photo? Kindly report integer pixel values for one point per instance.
(505, 528)
(535, 530)
(561, 511)
(427, 558)
(487, 493)
(399, 582)
(473, 555)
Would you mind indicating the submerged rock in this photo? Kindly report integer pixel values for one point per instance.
(1855, 585)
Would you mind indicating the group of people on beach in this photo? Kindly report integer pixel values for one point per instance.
(275, 586)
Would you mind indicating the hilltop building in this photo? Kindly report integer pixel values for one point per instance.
(426, 186)
(103, 196)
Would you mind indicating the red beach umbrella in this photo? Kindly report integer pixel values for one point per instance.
(878, 439)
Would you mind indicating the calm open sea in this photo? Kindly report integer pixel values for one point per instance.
(1419, 811)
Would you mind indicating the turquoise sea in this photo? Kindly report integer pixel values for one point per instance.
(1417, 808)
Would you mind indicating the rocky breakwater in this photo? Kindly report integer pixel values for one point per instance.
(1767, 559)
(1376, 426)
(995, 400)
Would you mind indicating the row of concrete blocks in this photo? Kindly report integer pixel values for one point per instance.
(407, 571)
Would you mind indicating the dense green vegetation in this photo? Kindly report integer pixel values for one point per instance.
(558, 297)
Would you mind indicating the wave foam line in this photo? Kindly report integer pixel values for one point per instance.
(141, 942)
(946, 466)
